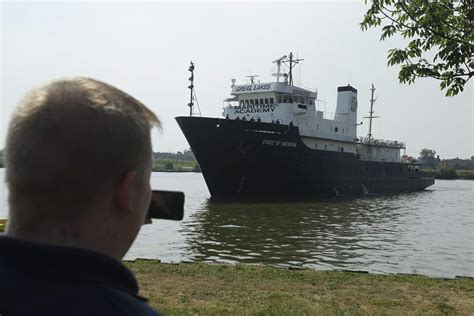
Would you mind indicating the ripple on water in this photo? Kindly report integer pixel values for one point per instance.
(427, 232)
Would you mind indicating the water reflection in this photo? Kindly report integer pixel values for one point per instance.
(323, 234)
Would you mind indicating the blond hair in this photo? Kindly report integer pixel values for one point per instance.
(68, 143)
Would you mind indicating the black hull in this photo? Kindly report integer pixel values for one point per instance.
(243, 160)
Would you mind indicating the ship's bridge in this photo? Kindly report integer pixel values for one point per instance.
(266, 102)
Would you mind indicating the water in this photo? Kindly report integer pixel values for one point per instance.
(429, 232)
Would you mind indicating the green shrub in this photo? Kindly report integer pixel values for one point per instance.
(446, 173)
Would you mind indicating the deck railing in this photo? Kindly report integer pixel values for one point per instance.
(379, 142)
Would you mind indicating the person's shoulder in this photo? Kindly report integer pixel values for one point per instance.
(45, 280)
(71, 299)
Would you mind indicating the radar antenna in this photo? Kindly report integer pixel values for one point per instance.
(252, 78)
(371, 113)
(278, 62)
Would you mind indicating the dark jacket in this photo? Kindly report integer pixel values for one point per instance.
(38, 279)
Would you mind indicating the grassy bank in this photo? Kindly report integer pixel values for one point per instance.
(451, 174)
(169, 165)
(465, 174)
(189, 289)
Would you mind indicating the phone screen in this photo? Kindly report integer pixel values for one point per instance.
(166, 205)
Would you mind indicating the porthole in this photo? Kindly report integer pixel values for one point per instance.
(335, 129)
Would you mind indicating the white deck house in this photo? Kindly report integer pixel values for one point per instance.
(283, 103)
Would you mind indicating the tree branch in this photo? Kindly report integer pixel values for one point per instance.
(405, 9)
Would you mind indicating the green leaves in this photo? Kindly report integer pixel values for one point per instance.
(441, 37)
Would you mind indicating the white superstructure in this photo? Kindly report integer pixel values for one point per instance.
(283, 103)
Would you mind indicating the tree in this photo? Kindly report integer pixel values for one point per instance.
(169, 166)
(427, 156)
(440, 34)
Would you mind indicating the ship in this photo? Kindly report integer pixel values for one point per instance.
(274, 141)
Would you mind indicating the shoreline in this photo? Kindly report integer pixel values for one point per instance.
(205, 288)
(176, 171)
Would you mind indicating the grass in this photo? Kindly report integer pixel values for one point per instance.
(451, 173)
(208, 289)
(465, 174)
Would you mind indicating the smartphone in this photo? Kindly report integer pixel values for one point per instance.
(166, 205)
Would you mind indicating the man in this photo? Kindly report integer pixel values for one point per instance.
(78, 162)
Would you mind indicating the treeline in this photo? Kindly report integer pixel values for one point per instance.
(429, 159)
(454, 168)
(186, 155)
(165, 161)
(175, 162)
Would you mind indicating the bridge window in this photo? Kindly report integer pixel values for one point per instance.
(241, 102)
(251, 102)
(302, 99)
(246, 102)
(266, 100)
(295, 99)
(279, 99)
(261, 101)
(271, 101)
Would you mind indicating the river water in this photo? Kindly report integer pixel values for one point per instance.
(429, 232)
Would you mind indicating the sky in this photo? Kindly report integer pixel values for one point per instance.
(145, 49)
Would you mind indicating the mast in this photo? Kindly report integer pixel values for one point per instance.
(290, 71)
(191, 88)
(371, 112)
(291, 66)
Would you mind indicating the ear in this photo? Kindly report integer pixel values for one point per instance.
(124, 192)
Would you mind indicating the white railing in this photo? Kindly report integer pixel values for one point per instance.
(379, 142)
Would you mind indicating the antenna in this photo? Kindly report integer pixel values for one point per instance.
(252, 78)
(191, 88)
(292, 62)
(289, 62)
(278, 62)
(371, 112)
